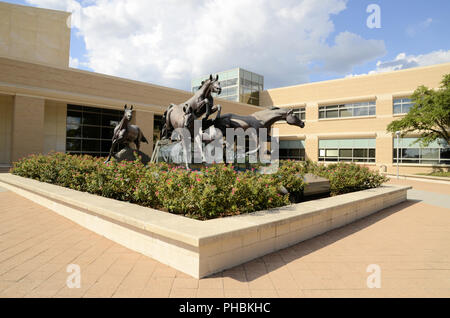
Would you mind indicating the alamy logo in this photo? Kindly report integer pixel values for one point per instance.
(374, 279)
(208, 146)
(74, 279)
(374, 19)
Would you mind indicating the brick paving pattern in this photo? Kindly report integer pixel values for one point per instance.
(410, 243)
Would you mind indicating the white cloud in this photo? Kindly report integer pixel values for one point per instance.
(74, 62)
(350, 50)
(403, 61)
(170, 42)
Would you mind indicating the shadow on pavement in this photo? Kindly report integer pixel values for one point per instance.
(311, 245)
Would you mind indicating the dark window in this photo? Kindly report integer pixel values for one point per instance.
(73, 131)
(73, 145)
(91, 118)
(158, 124)
(347, 154)
(445, 153)
(292, 154)
(90, 130)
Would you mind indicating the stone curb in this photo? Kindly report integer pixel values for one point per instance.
(200, 248)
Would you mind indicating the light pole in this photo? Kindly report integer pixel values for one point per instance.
(397, 133)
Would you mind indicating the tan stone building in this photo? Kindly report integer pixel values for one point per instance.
(39, 35)
(346, 120)
(45, 105)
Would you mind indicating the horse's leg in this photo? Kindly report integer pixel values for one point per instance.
(114, 143)
(208, 109)
(164, 132)
(216, 108)
(201, 104)
(137, 141)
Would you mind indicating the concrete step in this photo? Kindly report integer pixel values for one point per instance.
(4, 168)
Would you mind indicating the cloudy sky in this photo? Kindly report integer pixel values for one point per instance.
(168, 42)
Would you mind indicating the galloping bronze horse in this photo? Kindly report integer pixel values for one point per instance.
(213, 128)
(261, 119)
(183, 115)
(125, 133)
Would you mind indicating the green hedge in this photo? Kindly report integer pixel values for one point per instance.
(344, 177)
(213, 191)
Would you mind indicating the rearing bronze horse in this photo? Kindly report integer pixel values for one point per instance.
(183, 115)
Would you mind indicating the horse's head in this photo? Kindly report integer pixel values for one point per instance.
(128, 112)
(292, 119)
(212, 85)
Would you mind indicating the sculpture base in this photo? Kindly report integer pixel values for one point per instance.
(316, 188)
(128, 154)
(315, 185)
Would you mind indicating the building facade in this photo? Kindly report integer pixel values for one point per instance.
(34, 34)
(238, 85)
(346, 120)
(46, 106)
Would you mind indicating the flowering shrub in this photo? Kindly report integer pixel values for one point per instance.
(344, 177)
(213, 191)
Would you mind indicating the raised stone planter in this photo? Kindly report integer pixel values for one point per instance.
(201, 248)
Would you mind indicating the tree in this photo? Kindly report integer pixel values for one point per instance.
(429, 116)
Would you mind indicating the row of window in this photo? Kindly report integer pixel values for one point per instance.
(229, 91)
(350, 150)
(252, 85)
(410, 151)
(89, 131)
(347, 110)
(226, 83)
(347, 155)
(244, 83)
(423, 155)
(400, 106)
(363, 150)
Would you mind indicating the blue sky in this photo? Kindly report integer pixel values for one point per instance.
(289, 42)
(403, 27)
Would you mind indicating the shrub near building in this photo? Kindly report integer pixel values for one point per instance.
(214, 191)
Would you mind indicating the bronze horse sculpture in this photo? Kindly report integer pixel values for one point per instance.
(125, 133)
(213, 128)
(261, 119)
(183, 115)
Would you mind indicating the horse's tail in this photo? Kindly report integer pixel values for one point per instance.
(143, 139)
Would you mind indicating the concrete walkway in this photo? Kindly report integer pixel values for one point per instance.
(409, 243)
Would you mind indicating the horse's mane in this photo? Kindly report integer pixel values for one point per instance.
(207, 90)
